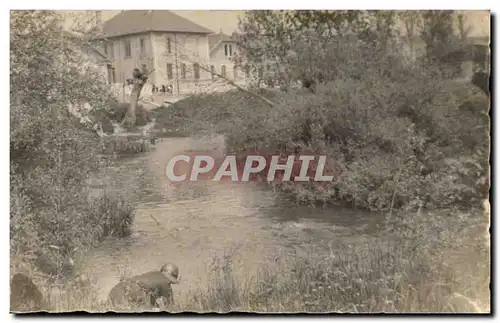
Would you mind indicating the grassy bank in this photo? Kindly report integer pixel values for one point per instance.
(419, 264)
(414, 267)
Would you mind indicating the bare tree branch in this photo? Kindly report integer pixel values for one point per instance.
(231, 82)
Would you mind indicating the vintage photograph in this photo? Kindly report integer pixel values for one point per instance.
(261, 161)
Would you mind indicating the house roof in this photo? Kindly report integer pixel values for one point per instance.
(140, 21)
(81, 40)
(215, 39)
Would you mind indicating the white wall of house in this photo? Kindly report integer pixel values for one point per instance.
(123, 60)
(95, 62)
(168, 61)
(175, 56)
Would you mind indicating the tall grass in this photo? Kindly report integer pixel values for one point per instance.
(52, 154)
(403, 274)
(410, 270)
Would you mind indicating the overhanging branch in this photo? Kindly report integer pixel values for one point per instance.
(231, 82)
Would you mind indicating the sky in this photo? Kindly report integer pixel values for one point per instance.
(227, 20)
(215, 20)
(479, 23)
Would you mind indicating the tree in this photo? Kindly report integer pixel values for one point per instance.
(412, 21)
(140, 78)
(297, 44)
(51, 152)
(462, 29)
(385, 26)
(438, 33)
(87, 22)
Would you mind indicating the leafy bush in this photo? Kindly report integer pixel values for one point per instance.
(412, 269)
(52, 153)
(392, 123)
(400, 134)
(117, 112)
(111, 216)
(114, 112)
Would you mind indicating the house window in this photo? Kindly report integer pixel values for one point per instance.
(212, 69)
(169, 45)
(228, 50)
(128, 48)
(196, 68)
(235, 72)
(247, 71)
(111, 74)
(261, 72)
(143, 45)
(110, 78)
(223, 70)
(110, 51)
(170, 74)
(183, 71)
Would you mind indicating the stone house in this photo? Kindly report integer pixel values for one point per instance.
(174, 48)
